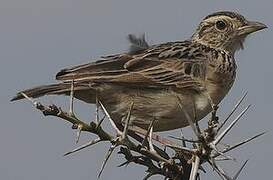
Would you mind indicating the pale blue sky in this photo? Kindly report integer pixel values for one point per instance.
(40, 37)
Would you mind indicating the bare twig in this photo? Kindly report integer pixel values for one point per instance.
(186, 162)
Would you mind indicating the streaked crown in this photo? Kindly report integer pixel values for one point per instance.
(225, 30)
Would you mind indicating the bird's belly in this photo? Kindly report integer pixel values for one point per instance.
(161, 105)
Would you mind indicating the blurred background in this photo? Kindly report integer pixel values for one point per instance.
(40, 37)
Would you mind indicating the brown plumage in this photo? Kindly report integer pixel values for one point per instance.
(197, 72)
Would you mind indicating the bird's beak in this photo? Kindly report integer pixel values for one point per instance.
(251, 27)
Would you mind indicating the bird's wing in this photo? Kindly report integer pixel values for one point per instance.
(177, 64)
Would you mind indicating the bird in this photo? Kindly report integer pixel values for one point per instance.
(166, 83)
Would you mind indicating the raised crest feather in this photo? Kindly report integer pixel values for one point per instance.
(137, 43)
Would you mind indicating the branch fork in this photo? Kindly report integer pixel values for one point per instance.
(186, 162)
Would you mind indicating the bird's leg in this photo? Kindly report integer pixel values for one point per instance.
(214, 117)
(213, 122)
(195, 117)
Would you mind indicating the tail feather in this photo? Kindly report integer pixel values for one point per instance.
(82, 92)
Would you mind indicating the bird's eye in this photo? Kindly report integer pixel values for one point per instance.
(221, 25)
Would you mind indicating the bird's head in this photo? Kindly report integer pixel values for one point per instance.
(225, 30)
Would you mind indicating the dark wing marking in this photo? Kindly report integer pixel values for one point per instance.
(177, 64)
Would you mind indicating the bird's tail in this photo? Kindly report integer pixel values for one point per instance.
(56, 89)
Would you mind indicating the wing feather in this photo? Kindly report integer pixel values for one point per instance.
(148, 68)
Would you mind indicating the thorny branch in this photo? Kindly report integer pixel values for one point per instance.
(186, 162)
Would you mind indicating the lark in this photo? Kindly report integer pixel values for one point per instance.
(166, 83)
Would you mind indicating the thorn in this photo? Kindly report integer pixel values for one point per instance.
(100, 122)
(110, 151)
(148, 133)
(148, 176)
(83, 146)
(97, 108)
(188, 118)
(184, 140)
(221, 136)
(126, 163)
(221, 153)
(110, 119)
(150, 142)
(127, 122)
(71, 106)
(243, 142)
(240, 170)
(232, 111)
(180, 148)
(219, 171)
(35, 103)
(194, 168)
(165, 149)
(79, 133)
(222, 159)
(202, 169)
